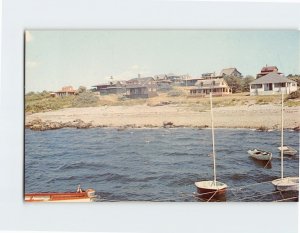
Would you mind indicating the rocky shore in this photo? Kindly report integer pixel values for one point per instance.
(260, 117)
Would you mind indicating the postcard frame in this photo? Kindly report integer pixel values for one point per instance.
(19, 15)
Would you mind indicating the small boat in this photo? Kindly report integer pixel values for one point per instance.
(212, 189)
(285, 183)
(78, 196)
(287, 150)
(260, 154)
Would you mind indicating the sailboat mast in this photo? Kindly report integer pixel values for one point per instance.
(213, 137)
(281, 151)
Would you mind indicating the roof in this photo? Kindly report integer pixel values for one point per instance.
(269, 68)
(272, 77)
(209, 82)
(132, 86)
(141, 81)
(228, 71)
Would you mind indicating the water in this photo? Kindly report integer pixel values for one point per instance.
(153, 164)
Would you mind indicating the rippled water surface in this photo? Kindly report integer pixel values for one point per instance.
(153, 164)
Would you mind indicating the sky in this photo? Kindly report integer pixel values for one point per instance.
(57, 58)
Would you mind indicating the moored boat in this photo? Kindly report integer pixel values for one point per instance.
(211, 189)
(286, 184)
(287, 150)
(78, 196)
(260, 154)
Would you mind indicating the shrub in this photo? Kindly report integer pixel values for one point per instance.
(85, 99)
(294, 95)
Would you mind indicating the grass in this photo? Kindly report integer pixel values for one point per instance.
(44, 102)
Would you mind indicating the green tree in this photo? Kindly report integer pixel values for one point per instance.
(246, 83)
(234, 83)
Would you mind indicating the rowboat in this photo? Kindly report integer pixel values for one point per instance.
(211, 189)
(78, 196)
(260, 154)
(287, 150)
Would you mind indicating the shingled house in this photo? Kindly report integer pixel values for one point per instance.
(217, 86)
(272, 84)
(117, 87)
(141, 88)
(230, 72)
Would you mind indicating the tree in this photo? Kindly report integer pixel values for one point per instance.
(81, 89)
(246, 83)
(235, 83)
(295, 78)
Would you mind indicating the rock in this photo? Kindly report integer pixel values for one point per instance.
(167, 124)
(297, 129)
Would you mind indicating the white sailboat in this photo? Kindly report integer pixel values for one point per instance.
(212, 188)
(285, 183)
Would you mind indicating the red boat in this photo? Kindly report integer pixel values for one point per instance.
(78, 196)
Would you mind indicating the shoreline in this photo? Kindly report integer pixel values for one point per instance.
(263, 117)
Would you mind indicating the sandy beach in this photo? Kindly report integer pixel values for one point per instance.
(240, 116)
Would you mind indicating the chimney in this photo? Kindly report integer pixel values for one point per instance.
(139, 75)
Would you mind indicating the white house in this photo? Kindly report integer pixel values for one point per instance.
(217, 86)
(272, 84)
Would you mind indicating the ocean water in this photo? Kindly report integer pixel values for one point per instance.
(154, 164)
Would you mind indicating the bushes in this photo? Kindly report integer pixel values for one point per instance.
(38, 102)
(294, 95)
(85, 99)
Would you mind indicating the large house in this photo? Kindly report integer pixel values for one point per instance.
(266, 70)
(230, 72)
(217, 86)
(117, 87)
(141, 88)
(272, 84)
(65, 91)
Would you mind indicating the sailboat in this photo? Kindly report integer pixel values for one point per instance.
(211, 188)
(285, 183)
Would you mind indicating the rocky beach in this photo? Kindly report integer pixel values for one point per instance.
(144, 116)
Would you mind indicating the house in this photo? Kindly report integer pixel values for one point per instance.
(230, 72)
(271, 84)
(218, 87)
(117, 87)
(191, 81)
(65, 91)
(163, 84)
(141, 88)
(266, 70)
(208, 75)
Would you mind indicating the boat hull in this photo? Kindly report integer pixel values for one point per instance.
(288, 150)
(208, 191)
(286, 184)
(260, 155)
(84, 196)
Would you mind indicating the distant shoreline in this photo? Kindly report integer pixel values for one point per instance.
(265, 117)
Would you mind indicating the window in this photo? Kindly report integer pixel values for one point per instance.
(279, 84)
(256, 86)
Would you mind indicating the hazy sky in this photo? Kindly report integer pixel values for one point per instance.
(58, 58)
